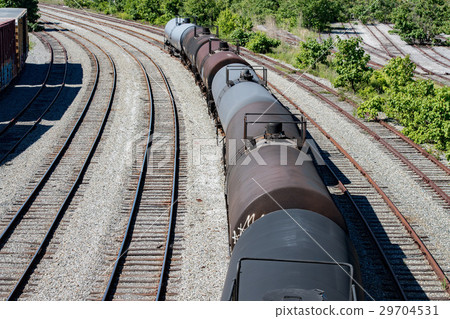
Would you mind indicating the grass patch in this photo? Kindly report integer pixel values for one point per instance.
(285, 52)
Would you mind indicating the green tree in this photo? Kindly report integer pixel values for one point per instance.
(312, 52)
(256, 9)
(317, 14)
(350, 62)
(30, 5)
(419, 21)
(229, 22)
(206, 11)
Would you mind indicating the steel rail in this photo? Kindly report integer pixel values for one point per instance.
(347, 193)
(389, 147)
(45, 111)
(41, 250)
(137, 198)
(15, 293)
(402, 53)
(392, 129)
(435, 266)
(14, 221)
(174, 196)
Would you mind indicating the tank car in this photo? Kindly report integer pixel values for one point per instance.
(288, 239)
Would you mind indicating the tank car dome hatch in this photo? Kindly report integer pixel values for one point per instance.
(187, 20)
(246, 75)
(224, 46)
(274, 131)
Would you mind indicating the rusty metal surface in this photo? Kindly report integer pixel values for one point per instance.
(281, 180)
(391, 149)
(214, 62)
(192, 43)
(235, 130)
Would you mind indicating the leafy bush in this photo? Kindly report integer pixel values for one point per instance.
(350, 62)
(240, 36)
(260, 43)
(312, 52)
(369, 109)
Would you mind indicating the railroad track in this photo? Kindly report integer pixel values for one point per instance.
(30, 115)
(399, 272)
(393, 50)
(414, 295)
(401, 147)
(28, 230)
(149, 249)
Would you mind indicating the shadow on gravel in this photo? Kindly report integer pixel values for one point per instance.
(16, 97)
(342, 31)
(376, 282)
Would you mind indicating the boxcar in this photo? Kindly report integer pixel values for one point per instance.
(20, 38)
(7, 51)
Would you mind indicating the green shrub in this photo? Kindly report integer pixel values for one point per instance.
(260, 43)
(312, 52)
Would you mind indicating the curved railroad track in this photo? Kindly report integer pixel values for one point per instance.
(26, 120)
(28, 231)
(142, 264)
(433, 287)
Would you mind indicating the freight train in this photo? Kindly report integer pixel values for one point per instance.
(13, 43)
(288, 239)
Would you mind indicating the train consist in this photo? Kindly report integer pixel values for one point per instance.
(289, 240)
(14, 43)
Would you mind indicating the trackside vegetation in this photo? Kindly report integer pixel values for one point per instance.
(420, 106)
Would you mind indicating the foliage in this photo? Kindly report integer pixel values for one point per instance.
(312, 52)
(257, 9)
(370, 108)
(288, 13)
(229, 23)
(240, 36)
(350, 62)
(317, 14)
(399, 72)
(206, 11)
(32, 10)
(260, 43)
(422, 108)
(369, 10)
(419, 21)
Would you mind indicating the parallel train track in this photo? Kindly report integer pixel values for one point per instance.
(145, 27)
(392, 50)
(29, 230)
(30, 115)
(148, 249)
